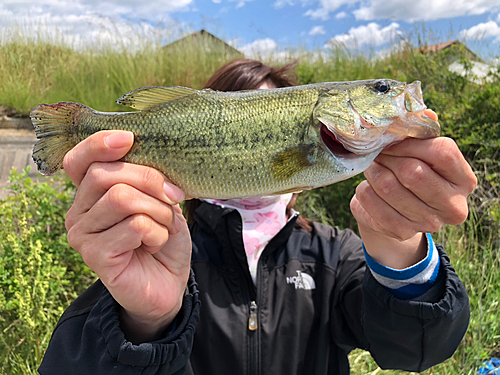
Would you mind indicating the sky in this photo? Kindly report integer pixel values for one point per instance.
(260, 26)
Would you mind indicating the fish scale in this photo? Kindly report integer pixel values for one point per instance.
(225, 145)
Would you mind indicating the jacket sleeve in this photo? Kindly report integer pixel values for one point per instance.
(410, 335)
(88, 339)
(415, 335)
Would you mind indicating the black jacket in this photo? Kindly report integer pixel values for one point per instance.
(314, 302)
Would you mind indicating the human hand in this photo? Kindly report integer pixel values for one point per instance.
(415, 186)
(127, 225)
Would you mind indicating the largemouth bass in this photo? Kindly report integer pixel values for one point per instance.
(239, 144)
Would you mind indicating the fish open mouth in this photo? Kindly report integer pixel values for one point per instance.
(352, 162)
(331, 142)
(368, 138)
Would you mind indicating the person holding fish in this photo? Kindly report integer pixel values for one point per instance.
(250, 287)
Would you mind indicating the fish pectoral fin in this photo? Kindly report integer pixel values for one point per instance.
(149, 97)
(288, 163)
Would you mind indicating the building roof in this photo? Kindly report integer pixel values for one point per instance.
(203, 36)
(440, 46)
(444, 45)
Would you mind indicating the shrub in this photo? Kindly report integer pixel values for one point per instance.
(40, 275)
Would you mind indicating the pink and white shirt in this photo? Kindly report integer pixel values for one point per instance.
(262, 219)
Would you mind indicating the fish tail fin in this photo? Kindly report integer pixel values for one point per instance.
(56, 128)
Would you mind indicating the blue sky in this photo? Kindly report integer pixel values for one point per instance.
(268, 25)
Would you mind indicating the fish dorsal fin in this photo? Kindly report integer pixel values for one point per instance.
(149, 97)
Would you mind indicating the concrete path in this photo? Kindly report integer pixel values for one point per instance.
(16, 146)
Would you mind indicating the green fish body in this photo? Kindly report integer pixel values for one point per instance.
(226, 145)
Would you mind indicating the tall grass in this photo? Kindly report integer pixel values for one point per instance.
(35, 70)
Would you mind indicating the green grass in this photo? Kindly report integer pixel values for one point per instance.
(40, 275)
(34, 71)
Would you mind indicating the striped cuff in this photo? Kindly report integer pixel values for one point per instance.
(410, 282)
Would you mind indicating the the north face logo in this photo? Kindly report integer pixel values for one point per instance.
(302, 281)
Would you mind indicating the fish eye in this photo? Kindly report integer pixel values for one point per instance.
(382, 87)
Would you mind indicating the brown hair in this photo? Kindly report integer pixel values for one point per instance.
(247, 74)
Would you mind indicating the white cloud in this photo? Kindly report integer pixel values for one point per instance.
(482, 30)
(317, 30)
(326, 7)
(91, 21)
(216, 1)
(371, 34)
(341, 15)
(266, 50)
(281, 3)
(422, 10)
(152, 9)
(278, 4)
(260, 46)
(410, 11)
(240, 3)
(318, 14)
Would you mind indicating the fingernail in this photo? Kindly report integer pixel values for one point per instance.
(431, 114)
(119, 139)
(173, 192)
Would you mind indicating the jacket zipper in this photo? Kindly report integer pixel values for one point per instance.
(252, 319)
(253, 324)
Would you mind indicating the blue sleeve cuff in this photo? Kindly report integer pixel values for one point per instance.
(411, 282)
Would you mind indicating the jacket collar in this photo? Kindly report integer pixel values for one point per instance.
(225, 224)
(224, 221)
